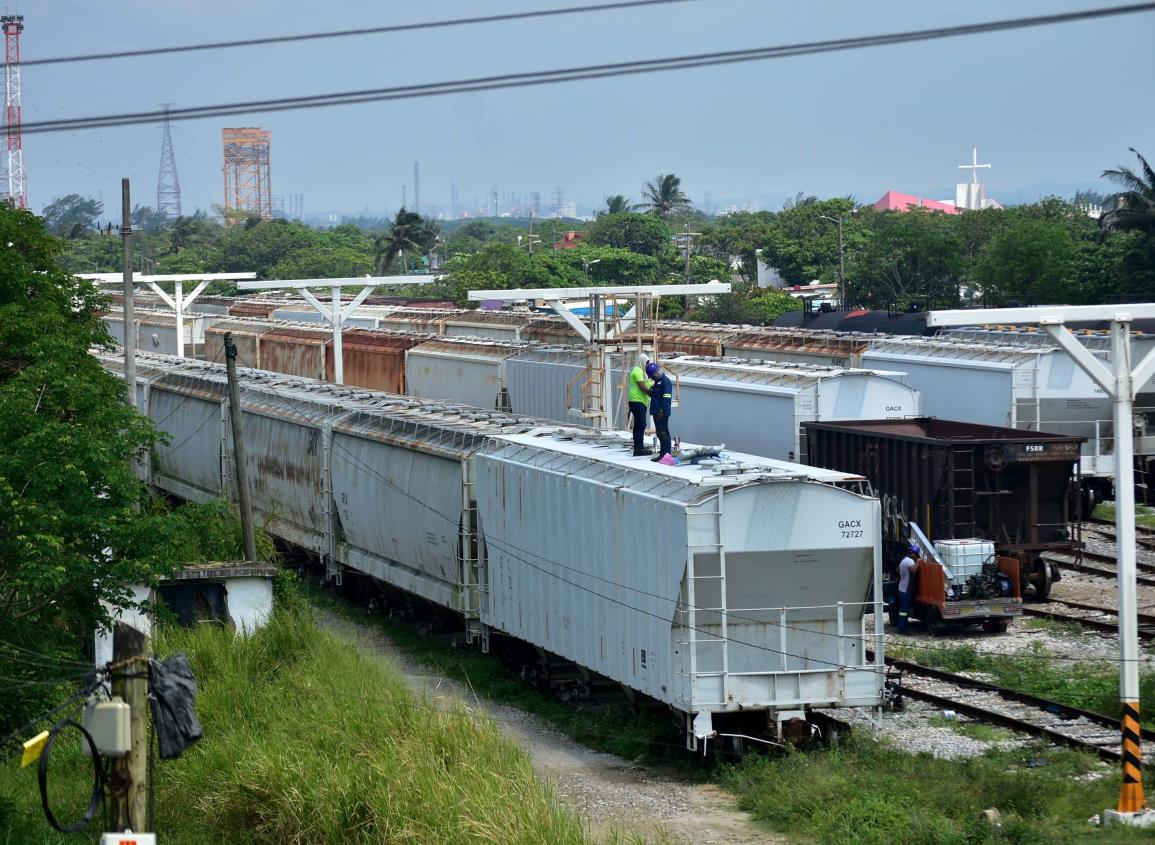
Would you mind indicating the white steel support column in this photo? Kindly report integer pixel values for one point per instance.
(601, 331)
(1119, 382)
(336, 314)
(338, 322)
(178, 302)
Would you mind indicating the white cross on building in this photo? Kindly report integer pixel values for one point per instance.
(971, 195)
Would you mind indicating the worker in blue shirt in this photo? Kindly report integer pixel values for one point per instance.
(906, 569)
(661, 405)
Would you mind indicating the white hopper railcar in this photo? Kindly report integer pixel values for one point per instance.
(751, 406)
(742, 606)
(1032, 388)
(156, 330)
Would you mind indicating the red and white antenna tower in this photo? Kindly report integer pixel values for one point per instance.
(15, 185)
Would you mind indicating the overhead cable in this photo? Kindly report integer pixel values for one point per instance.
(550, 77)
(345, 33)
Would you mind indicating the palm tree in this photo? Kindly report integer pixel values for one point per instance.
(664, 196)
(1134, 207)
(408, 231)
(799, 200)
(617, 204)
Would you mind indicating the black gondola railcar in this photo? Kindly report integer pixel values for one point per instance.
(959, 480)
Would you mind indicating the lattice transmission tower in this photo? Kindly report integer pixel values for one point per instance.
(248, 191)
(167, 182)
(15, 184)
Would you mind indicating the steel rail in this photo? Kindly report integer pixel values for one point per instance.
(1064, 711)
(1147, 577)
(1110, 626)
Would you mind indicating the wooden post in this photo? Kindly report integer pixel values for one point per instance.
(130, 784)
(240, 470)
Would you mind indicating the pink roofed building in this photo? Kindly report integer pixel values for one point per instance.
(895, 201)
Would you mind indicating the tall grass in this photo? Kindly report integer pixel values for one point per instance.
(311, 742)
(869, 794)
(306, 741)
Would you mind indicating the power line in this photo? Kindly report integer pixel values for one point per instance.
(344, 33)
(573, 74)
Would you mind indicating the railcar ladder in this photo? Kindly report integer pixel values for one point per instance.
(962, 493)
(698, 637)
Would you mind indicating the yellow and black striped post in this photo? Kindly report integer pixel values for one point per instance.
(1131, 792)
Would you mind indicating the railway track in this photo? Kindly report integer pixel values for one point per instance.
(1097, 618)
(1011, 709)
(1097, 563)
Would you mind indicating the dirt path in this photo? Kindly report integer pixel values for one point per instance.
(607, 791)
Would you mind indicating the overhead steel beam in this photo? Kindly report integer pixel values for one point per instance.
(610, 291)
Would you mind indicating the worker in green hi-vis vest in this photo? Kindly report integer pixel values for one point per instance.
(639, 399)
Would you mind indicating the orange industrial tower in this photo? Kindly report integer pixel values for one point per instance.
(246, 168)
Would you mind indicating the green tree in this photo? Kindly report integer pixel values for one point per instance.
(799, 200)
(193, 230)
(616, 204)
(803, 245)
(747, 304)
(260, 245)
(409, 233)
(1134, 206)
(643, 233)
(1032, 262)
(907, 256)
(73, 216)
(147, 219)
(665, 197)
(614, 266)
(69, 535)
(737, 236)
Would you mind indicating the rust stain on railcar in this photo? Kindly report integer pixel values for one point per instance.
(693, 340)
(553, 331)
(373, 359)
(295, 351)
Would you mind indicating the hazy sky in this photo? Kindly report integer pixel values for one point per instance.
(1051, 106)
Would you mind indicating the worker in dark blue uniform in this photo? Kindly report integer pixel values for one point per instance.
(661, 405)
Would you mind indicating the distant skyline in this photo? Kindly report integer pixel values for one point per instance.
(1039, 103)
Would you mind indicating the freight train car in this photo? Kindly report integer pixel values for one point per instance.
(1030, 388)
(959, 481)
(156, 331)
(750, 406)
(741, 606)
(805, 346)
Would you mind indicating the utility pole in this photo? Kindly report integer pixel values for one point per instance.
(841, 261)
(129, 311)
(687, 239)
(130, 781)
(240, 469)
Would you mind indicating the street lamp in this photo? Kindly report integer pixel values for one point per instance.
(586, 266)
(841, 261)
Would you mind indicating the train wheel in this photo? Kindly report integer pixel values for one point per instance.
(1041, 579)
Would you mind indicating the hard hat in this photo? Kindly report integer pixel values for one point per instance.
(914, 549)
(652, 368)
